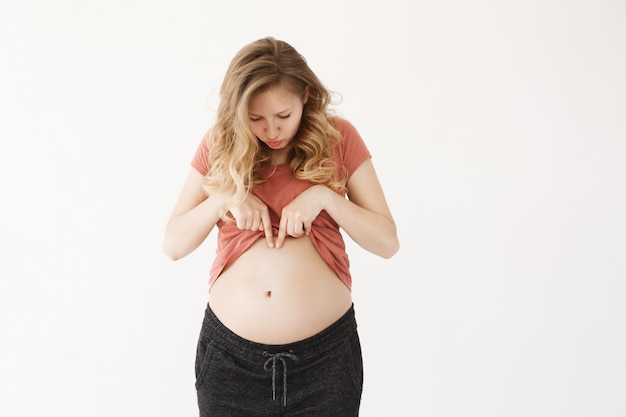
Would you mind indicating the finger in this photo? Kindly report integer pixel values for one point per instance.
(256, 223)
(307, 228)
(282, 232)
(298, 228)
(266, 227)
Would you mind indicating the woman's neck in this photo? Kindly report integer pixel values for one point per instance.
(279, 156)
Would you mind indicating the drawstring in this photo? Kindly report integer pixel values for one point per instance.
(270, 365)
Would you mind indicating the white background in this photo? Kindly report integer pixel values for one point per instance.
(497, 129)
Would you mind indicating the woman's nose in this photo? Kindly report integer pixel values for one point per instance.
(272, 129)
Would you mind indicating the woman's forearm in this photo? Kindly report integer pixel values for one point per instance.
(372, 231)
(186, 231)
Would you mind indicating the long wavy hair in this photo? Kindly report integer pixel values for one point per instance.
(237, 158)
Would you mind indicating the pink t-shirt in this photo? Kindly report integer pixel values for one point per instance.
(278, 191)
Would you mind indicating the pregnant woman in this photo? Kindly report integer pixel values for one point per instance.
(279, 175)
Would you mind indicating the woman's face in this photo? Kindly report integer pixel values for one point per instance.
(275, 117)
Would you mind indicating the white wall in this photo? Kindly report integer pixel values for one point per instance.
(498, 132)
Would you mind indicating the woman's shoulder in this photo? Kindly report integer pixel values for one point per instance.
(352, 150)
(200, 160)
(341, 124)
(349, 133)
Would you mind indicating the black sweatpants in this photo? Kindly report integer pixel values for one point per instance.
(321, 376)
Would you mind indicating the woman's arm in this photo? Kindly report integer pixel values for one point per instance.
(195, 215)
(192, 218)
(365, 217)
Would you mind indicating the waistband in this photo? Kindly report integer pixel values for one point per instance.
(329, 338)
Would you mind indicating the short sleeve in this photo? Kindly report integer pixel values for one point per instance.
(200, 160)
(353, 150)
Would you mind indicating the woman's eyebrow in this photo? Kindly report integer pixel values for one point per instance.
(276, 114)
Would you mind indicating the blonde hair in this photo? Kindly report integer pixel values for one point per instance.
(236, 157)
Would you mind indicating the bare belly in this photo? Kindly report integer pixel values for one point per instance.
(278, 296)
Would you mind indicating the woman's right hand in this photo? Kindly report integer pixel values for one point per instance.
(253, 214)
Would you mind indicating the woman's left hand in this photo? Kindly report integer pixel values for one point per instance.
(297, 217)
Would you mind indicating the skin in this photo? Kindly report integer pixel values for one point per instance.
(275, 115)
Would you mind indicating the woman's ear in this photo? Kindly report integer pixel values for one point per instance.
(307, 90)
